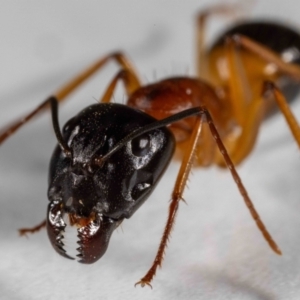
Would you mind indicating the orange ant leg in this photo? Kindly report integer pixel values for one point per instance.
(244, 143)
(241, 187)
(12, 128)
(256, 107)
(129, 82)
(181, 183)
(63, 92)
(118, 57)
(268, 55)
(248, 107)
(24, 231)
(285, 109)
(202, 18)
(239, 92)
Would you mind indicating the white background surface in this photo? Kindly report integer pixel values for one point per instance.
(215, 252)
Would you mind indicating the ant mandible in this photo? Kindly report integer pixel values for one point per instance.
(110, 157)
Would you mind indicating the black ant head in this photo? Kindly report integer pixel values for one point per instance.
(101, 176)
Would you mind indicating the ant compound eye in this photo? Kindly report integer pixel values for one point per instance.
(141, 145)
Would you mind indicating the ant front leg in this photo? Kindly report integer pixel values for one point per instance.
(54, 110)
(118, 57)
(24, 231)
(177, 195)
(130, 83)
(180, 184)
(68, 88)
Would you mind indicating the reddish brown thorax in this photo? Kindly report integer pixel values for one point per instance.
(168, 97)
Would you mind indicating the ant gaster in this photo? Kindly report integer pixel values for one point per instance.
(110, 156)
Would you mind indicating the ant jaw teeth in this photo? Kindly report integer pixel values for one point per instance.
(79, 238)
(71, 239)
(80, 256)
(60, 245)
(74, 239)
(56, 228)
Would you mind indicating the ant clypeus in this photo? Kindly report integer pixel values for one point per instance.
(110, 156)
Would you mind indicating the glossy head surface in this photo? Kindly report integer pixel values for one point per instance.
(95, 199)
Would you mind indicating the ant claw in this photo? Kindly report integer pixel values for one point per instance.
(143, 282)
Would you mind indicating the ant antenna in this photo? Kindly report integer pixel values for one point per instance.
(54, 111)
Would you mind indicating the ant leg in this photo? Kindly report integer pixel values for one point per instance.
(202, 18)
(129, 82)
(54, 112)
(24, 231)
(119, 57)
(285, 109)
(13, 127)
(180, 184)
(240, 93)
(246, 140)
(240, 185)
(63, 92)
(255, 107)
(247, 105)
(266, 54)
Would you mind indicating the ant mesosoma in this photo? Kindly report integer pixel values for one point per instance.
(110, 157)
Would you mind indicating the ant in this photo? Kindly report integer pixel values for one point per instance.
(110, 157)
